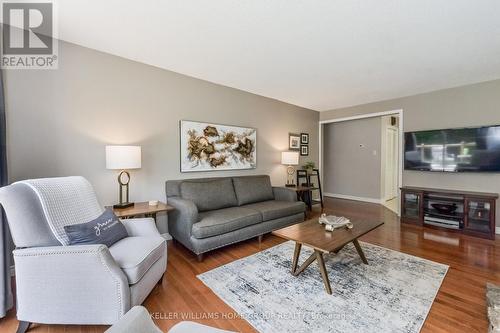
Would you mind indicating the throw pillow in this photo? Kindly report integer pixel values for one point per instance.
(106, 229)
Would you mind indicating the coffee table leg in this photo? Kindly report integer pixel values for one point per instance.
(360, 251)
(305, 264)
(324, 274)
(296, 254)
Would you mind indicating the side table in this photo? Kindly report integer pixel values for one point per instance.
(143, 209)
(301, 194)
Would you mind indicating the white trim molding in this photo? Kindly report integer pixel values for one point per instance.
(352, 197)
(497, 230)
(361, 116)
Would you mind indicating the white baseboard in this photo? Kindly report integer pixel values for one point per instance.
(497, 230)
(351, 197)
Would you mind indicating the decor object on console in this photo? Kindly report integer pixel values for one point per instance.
(445, 208)
(123, 158)
(56, 283)
(290, 158)
(208, 147)
(293, 141)
(244, 207)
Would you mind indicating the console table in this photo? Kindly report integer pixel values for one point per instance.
(471, 213)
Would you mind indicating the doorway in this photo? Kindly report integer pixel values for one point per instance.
(390, 136)
(390, 162)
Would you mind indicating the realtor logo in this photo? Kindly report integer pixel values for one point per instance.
(27, 37)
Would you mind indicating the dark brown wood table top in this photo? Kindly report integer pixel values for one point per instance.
(312, 234)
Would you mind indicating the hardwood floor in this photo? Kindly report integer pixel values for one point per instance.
(459, 306)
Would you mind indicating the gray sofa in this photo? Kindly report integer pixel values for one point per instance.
(213, 212)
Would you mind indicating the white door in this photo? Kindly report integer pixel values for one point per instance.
(391, 163)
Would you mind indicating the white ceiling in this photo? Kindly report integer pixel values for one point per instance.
(316, 54)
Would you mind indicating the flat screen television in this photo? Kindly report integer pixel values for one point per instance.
(453, 150)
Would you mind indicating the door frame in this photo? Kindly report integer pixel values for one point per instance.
(384, 162)
(398, 112)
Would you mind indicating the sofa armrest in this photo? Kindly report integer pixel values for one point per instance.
(284, 194)
(141, 227)
(80, 284)
(181, 220)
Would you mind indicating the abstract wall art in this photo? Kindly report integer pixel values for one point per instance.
(211, 147)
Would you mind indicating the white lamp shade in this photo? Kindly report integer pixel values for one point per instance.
(123, 157)
(290, 158)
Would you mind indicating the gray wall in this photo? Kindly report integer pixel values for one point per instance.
(60, 120)
(473, 105)
(351, 158)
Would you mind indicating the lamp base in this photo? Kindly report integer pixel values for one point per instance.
(289, 181)
(123, 205)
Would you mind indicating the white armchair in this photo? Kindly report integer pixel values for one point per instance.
(81, 284)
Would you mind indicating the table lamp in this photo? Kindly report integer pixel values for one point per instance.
(290, 158)
(123, 158)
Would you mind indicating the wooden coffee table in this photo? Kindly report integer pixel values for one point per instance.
(312, 234)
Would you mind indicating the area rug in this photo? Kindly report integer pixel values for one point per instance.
(394, 293)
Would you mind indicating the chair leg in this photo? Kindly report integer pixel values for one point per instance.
(200, 257)
(23, 326)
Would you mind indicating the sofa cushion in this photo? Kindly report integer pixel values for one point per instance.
(210, 194)
(136, 255)
(274, 209)
(253, 189)
(225, 220)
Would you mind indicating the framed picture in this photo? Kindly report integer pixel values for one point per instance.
(293, 141)
(304, 138)
(211, 147)
(304, 150)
